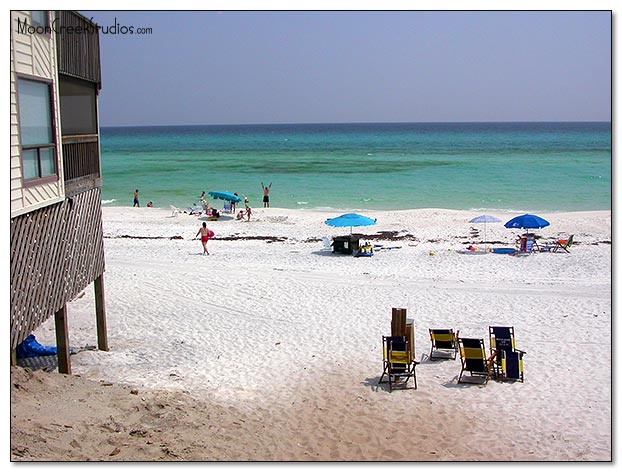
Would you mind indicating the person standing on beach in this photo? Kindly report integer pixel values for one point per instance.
(205, 235)
(136, 199)
(233, 203)
(248, 209)
(266, 195)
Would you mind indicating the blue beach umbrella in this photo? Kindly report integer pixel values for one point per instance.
(527, 221)
(225, 196)
(485, 219)
(350, 219)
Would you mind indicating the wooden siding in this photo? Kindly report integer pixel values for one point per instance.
(78, 54)
(34, 53)
(15, 163)
(42, 193)
(33, 56)
(43, 50)
(56, 252)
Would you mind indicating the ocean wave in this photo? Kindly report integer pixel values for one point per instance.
(302, 203)
(104, 202)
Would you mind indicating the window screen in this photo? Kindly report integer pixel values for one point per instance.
(78, 112)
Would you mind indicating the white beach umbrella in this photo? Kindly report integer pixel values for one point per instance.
(485, 219)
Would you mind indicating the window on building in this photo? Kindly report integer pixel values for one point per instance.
(36, 129)
(39, 18)
(78, 106)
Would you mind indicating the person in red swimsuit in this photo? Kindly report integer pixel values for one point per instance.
(205, 235)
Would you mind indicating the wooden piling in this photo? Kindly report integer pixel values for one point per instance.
(100, 313)
(62, 341)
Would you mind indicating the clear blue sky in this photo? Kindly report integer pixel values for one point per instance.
(311, 67)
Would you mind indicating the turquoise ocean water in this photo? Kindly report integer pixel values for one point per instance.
(376, 166)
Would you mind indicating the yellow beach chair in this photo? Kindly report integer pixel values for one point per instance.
(444, 341)
(473, 358)
(398, 364)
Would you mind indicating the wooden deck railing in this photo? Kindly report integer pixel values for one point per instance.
(78, 47)
(81, 157)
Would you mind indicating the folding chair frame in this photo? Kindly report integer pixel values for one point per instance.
(564, 244)
(504, 367)
(397, 365)
(479, 365)
(497, 351)
(444, 340)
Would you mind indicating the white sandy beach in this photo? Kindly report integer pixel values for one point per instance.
(270, 347)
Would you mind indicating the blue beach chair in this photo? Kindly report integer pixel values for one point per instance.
(528, 244)
(507, 360)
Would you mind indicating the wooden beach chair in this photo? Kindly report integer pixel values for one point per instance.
(398, 364)
(564, 244)
(444, 341)
(507, 360)
(473, 358)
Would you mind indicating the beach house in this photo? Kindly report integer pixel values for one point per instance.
(56, 226)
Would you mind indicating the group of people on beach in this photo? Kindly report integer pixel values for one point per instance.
(266, 201)
(205, 233)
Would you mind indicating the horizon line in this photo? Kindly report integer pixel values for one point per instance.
(352, 123)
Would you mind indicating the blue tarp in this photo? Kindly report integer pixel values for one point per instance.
(504, 250)
(29, 347)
